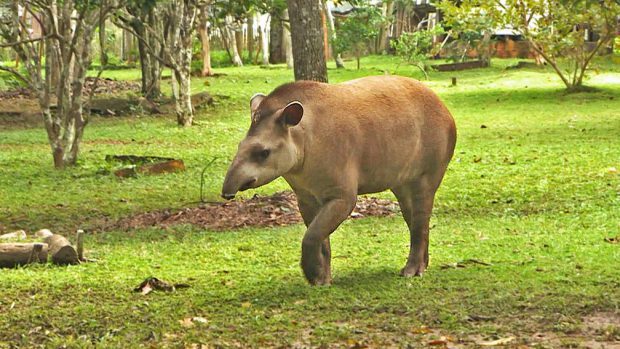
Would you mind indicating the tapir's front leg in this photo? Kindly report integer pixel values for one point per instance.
(314, 260)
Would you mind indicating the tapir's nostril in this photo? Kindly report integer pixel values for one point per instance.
(228, 196)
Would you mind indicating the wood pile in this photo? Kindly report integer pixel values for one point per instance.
(53, 247)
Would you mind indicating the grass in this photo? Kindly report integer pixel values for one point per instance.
(534, 194)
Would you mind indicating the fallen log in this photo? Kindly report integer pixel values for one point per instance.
(12, 255)
(152, 169)
(61, 251)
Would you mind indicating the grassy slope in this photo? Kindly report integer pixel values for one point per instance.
(531, 193)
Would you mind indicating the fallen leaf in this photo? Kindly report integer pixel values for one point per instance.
(146, 289)
(613, 240)
(438, 342)
(474, 317)
(246, 304)
(464, 264)
(154, 284)
(187, 322)
(421, 330)
(500, 341)
(199, 319)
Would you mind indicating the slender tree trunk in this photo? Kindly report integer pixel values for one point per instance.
(307, 36)
(103, 55)
(325, 32)
(250, 34)
(287, 45)
(388, 9)
(204, 40)
(332, 30)
(264, 40)
(239, 40)
(232, 44)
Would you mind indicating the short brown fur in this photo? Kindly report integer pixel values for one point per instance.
(362, 136)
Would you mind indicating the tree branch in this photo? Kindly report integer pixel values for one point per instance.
(16, 74)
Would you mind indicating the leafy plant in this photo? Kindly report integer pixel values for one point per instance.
(417, 47)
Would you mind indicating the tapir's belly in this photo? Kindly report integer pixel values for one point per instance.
(388, 163)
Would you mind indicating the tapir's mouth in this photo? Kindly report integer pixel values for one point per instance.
(247, 185)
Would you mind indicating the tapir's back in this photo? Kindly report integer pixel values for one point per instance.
(389, 128)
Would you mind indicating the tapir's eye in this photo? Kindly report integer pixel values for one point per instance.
(262, 155)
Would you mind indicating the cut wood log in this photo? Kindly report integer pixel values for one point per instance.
(12, 255)
(16, 235)
(61, 251)
(152, 169)
(43, 233)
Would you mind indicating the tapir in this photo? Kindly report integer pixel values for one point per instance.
(333, 142)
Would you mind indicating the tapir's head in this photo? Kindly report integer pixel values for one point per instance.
(268, 150)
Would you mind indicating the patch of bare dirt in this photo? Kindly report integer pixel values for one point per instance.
(19, 92)
(279, 209)
(110, 86)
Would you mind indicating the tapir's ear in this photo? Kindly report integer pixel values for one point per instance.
(292, 113)
(255, 101)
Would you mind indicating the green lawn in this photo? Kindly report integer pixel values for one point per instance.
(534, 194)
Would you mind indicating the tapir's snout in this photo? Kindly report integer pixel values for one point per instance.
(236, 180)
(228, 196)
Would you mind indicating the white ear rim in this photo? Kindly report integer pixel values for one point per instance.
(255, 101)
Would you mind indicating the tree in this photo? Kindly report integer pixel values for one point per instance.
(146, 21)
(472, 28)
(67, 30)
(174, 38)
(556, 29)
(307, 36)
(358, 31)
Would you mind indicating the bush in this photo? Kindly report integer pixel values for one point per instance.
(417, 47)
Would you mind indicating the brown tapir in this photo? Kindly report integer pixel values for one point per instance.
(334, 142)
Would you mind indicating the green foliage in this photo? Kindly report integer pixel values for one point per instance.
(356, 32)
(556, 29)
(416, 47)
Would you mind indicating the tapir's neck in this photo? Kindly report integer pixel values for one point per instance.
(298, 139)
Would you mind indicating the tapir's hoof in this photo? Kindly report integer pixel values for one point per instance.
(410, 271)
(320, 280)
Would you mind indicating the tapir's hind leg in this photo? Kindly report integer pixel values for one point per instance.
(416, 203)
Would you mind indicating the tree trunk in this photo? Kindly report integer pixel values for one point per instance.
(232, 44)
(239, 40)
(325, 32)
(332, 30)
(384, 33)
(250, 39)
(276, 33)
(287, 45)
(307, 37)
(103, 55)
(204, 40)
(264, 40)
